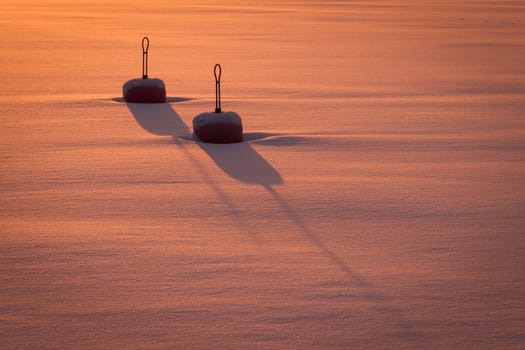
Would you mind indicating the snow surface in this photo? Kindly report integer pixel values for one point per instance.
(377, 203)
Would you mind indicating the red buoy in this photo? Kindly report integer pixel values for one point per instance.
(144, 90)
(218, 126)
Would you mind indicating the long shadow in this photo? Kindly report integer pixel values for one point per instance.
(241, 162)
(314, 239)
(238, 160)
(159, 119)
(407, 327)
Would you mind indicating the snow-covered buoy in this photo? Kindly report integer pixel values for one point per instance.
(218, 126)
(144, 90)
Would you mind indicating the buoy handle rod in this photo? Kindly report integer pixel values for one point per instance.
(145, 47)
(217, 72)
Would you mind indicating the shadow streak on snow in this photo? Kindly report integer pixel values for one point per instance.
(162, 119)
(169, 99)
(243, 163)
(239, 160)
(382, 304)
(314, 239)
(159, 119)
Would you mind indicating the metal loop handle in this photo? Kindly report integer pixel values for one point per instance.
(145, 44)
(145, 47)
(217, 73)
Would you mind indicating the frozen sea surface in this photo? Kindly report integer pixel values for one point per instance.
(377, 203)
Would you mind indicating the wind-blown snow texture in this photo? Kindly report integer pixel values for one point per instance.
(377, 201)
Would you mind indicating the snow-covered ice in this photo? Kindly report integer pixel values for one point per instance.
(377, 201)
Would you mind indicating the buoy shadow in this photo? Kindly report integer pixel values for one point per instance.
(368, 292)
(314, 239)
(238, 160)
(241, 162)
(159, 119)
(169, 99)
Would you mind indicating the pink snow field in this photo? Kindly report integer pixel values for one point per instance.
(373, 196)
